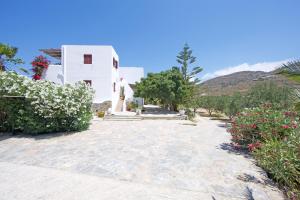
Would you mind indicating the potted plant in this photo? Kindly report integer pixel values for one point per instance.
(100, 114)
(128, 106)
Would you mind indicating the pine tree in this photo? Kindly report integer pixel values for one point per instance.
(185, 59)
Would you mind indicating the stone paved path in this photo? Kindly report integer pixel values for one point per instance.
(131, 160)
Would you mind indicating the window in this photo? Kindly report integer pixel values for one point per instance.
(115, 63)
(88, 82)
(114, 87)
(87, 59)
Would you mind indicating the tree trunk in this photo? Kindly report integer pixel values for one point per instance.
(173, 107)
(209, 112)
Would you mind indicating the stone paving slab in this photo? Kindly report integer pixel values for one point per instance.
(22, 182)
(159, 153)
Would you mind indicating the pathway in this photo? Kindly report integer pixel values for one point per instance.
(159, 159)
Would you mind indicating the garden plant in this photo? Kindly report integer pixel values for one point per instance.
(42, 106)
(273, 137)
(265, 122)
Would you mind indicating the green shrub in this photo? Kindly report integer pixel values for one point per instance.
(190, 114)
(281, 159)
(3, 120)
(47, 107)
(131, 106)
(273, 137)
(257, 125)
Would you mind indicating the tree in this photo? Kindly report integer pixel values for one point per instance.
(185, 59)
(220, 103)
(7, 57)
(167, 87)
(268, 92)
(208, 103)
(234, 105)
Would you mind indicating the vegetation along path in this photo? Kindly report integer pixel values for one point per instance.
(132, 160)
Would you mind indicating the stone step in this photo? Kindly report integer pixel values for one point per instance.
(121, 118)
(164, 117)
(143, 117)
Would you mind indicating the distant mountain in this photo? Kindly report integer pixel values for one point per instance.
(241, 82)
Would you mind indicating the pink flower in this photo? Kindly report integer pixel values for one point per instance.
(294, 125)
(37, 77)
(39, 64)
(253, 146)
(285, 126)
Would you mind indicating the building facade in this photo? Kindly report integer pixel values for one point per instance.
(97, 66)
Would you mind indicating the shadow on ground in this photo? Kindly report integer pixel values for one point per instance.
(158, 111)
(41, 136)
(252, 179)
(230, 148)
(223, 125)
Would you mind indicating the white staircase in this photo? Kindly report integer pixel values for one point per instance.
(122, 118)
(119, 107)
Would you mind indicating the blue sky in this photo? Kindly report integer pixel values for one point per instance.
(224, 34)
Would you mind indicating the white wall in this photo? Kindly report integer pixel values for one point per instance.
(132, 74)
(127, 91)
(54, 73)
(115, 79)
(100, 72)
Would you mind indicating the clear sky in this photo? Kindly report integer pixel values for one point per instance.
(150, 33)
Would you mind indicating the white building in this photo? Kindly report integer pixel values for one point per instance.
(97, 66)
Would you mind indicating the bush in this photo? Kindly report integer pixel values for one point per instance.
(47, 107)
(131, 106)
(3, 120)
(281, 159)
(253, 126)
(274, 139)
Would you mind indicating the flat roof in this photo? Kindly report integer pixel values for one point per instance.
(55, 53)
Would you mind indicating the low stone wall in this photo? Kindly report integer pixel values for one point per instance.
(104, 106)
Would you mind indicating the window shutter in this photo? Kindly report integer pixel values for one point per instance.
(87, 59)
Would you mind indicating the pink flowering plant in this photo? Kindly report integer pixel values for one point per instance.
(254, 126)
(39, 65)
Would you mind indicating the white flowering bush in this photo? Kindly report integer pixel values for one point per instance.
(47, 107)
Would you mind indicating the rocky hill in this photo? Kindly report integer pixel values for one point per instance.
(241, 82)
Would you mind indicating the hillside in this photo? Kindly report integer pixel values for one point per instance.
(241, 82)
